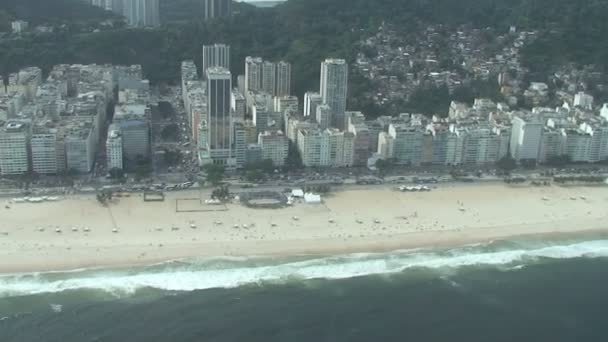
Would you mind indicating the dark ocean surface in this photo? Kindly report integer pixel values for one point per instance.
(506, 291)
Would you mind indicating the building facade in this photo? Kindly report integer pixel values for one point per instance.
(216, 55)
(141, 13)
(334, 88)
(216, 8)
(219, 119)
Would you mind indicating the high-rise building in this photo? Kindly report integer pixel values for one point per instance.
(334, 87)
(141, 13)
(275, 146)
(329, 147)
(134, 123)
(14, 140)
(283, 83)
(47, 153)
(526, 137)
(311, 101)
(216, 8)
(217, 55)
(253, 73)
(324, 116)
(219, 90)
(269, 72)
(114, 148)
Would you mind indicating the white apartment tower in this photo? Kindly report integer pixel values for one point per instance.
(114, 148)
(269, 72)
(334, 88)
(526, 137)
(311, 101)
(253, 74)
(283, 83)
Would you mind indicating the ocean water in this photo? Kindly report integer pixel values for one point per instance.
(524, 290)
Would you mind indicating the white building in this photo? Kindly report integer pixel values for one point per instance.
(526, 137)
(253, 73)
(114, 148)
(583, 100)
(283, 84)
(14, 140)
(275, 146)
(19, 26)
(604, 111)
(334, 87)
(269, 75)
(311, 101)
(408, 144)
(324, 116)
(80, 146)
(326, 148)
(47, 153)
(134, 123)
(553, 144)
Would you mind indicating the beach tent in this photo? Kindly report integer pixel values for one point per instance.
(311, 198)
(297, 193)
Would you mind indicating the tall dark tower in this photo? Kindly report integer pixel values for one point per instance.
(216, 8)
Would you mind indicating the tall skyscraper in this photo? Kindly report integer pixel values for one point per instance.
(217, 55)
(334, 87)
(141, 13)
(283, 86)
(253, 73)
(216, 8)
(219, 90)
(269, 72)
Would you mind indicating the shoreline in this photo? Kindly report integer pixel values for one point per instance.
(364, 221)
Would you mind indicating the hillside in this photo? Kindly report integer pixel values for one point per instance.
(304, 32)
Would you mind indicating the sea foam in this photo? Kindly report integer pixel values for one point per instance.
(229, 273)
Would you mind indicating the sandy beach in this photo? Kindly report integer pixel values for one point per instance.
(130, 231)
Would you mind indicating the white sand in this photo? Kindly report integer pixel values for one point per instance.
(388, 219)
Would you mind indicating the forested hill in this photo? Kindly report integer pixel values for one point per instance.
(302, 31)
(49, 11)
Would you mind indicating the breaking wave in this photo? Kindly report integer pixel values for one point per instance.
(230, 272)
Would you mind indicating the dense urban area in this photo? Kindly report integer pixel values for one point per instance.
(456, 99)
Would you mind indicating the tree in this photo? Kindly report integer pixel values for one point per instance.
(215, 173)
(172, 157)
(116, 173)
(143, 167)
(507, 163)
(222, 193)
(254, 176)
(383, 165)
(294, 159)
(170, 132)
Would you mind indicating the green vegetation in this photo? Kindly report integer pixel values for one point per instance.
(172, 157)
(294, 159)
(215, 173)
(170, 132)
(507, 163)
(222, 193)
(256, 172)
(304, 32)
